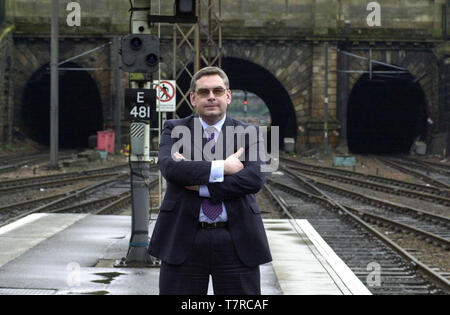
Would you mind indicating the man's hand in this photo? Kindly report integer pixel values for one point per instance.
(232, 164)
(193, 188)
(177, 156)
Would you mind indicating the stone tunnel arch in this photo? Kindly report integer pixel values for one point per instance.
(249, 76)
(80, 107)
(386, 113)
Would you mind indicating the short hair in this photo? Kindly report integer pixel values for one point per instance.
(209, 71)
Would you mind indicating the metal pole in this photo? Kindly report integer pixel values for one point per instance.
(444, 21)
(161, 119)
(209, 33)
(220, 33)
(197, 39)
(325, 119)
(140, 162)
(54, 86)
(343, 63)
(116, 96)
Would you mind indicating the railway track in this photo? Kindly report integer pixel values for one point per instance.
(12, 212)
(375, 186)
(434, 228)
(12, 163)
(429, 189)
(425, 173)
(98, 198)
(347, 229)
(7, 186)
(357, 242)
(439, 167)
(110, 200)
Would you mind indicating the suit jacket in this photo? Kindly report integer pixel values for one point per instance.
(177, 222)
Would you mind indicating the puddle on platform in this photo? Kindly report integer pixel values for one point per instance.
(109, 276)
(279, 229)
(95, 293)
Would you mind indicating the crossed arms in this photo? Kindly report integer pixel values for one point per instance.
(239, 177)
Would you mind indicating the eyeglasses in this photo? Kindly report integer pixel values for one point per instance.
(217, 91)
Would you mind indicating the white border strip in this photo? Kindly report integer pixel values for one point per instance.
(342, 273)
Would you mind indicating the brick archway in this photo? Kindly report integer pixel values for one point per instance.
(422, 66)
(30, 55)
(386, 113)
(80, 107)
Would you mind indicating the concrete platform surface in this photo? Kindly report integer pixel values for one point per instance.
(74, 254)
(305, 264)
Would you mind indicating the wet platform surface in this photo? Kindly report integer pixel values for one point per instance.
(75, 253)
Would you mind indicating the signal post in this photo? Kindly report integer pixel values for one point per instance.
(140, 57)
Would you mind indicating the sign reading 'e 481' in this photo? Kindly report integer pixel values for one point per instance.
(139, 103)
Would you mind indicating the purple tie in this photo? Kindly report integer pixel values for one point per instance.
(211, 210)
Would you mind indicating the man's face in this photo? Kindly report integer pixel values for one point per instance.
(211, 98)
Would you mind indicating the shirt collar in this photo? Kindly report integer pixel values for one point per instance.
(218, 125)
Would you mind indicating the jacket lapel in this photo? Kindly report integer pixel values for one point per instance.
(226, 139)
(197, 139)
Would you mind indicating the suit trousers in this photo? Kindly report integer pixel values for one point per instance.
(212, 254)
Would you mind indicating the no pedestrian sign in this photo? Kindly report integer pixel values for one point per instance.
(166, 91)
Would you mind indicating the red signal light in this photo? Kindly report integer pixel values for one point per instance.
(245, 102)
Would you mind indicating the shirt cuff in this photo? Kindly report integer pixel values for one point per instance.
(217, 170)
(203, 191)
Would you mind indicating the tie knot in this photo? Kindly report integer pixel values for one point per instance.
(210, 132)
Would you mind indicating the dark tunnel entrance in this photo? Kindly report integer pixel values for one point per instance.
(385, 114)
(80, 108)
(247, 76)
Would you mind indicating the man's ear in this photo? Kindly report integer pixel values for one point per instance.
(192, 97)
(228, 96)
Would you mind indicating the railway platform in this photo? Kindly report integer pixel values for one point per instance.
(58, 254)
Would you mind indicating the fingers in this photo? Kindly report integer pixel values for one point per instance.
(232, 164)
(239, 152)
(177, 156)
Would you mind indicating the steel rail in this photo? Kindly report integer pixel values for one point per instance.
(76, 194)
(390, 181)
(419, 175)
(114, 204)
(126, 198)
(90, 204)
(19, 161)
(399, 208)
(429, 163)
(374, 186)
(22, 204)
(37, 179)
(423, 165)
(325, 200)
(436, 239)
(386, 204)
(56, 183)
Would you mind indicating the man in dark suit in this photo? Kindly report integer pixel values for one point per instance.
(209, 222)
